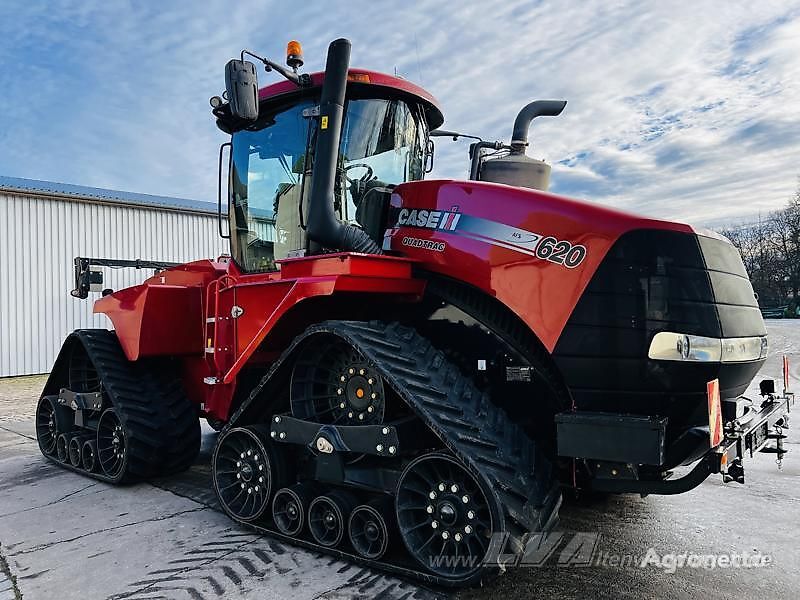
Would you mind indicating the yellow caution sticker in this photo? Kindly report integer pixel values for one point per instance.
(324, 122)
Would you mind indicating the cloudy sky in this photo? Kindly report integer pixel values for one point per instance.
(681, 110)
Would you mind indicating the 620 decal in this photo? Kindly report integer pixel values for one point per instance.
(560, 252)
(549, 248)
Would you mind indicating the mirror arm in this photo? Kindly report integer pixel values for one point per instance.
(300, 80)
(453, 134)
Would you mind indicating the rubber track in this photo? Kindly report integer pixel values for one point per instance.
(476, 431)
(162, 427)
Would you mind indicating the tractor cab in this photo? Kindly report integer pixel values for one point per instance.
(383, 140)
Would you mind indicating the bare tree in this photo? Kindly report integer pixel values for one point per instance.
(770, 251)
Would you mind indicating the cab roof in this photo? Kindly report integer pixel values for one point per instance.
(363, 80)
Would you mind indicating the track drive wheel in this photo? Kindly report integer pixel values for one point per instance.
(331, 383)
(246, 469)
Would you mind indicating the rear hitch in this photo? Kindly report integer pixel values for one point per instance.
(778, 449)
(735, 472)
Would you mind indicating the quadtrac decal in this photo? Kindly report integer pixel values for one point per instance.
(543, 247)
(413, 242)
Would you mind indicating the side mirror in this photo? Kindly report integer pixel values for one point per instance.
(241, 85)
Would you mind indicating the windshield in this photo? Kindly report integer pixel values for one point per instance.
(381, 146)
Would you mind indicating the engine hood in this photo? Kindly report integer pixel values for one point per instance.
(533, 250)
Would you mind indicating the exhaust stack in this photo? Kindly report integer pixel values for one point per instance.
(517, 168)
(537, 108)
(323, 227)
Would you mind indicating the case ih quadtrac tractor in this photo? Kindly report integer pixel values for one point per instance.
(405, 372)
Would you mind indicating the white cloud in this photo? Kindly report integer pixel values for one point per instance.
(684, 111)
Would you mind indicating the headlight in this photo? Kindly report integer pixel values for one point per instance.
(742, 349)
(695, 348)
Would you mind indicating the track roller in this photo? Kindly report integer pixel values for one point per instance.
(328, 515)
(246, 468)
(62, 447)
(368, 531)
(75, 447)
(89, 455)
(289, 508)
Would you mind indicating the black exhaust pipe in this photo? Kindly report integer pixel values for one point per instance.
(537, 108)
(323, 227)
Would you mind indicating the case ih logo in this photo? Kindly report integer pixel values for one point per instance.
(543, 247)
(429, 219)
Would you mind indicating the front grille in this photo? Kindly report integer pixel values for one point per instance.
(652, 281)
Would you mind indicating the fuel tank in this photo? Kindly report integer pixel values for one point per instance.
(638, 313)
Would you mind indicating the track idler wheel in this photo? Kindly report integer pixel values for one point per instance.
(52, 419)
(246, 468)
(289, 508)
(368, 531)
(112, 445)
(89, 455)
(328, 516)
(62, 447)
(442, 513)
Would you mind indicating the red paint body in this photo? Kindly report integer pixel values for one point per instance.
(166, 315)
(185, 312)
(542, 293)
(190, 312)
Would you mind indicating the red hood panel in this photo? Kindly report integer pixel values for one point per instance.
(534, 251)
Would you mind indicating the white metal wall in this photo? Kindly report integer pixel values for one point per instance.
(39, 237)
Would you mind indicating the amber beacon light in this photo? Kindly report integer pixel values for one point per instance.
(294, 54)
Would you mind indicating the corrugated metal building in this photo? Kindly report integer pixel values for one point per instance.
(45, 225)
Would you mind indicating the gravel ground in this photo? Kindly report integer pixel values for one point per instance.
(18, 396)
(66, 536)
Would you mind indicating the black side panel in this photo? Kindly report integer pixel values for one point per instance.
(654, 281)
(739, 315)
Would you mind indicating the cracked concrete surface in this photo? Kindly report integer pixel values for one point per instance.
(69, 537)
(93, 540)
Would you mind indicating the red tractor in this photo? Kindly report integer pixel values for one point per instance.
(405, 372)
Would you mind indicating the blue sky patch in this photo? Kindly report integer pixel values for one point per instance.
(665, 100)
